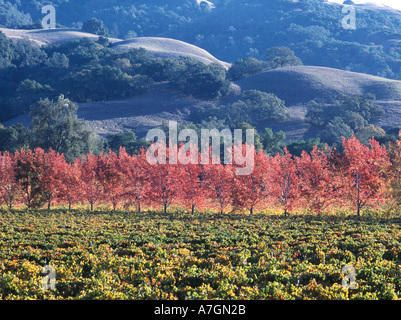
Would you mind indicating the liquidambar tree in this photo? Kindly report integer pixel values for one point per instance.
(364, 172)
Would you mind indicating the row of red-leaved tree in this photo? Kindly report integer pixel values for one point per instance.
(317, 181)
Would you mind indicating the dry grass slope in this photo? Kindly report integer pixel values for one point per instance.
(301, 84)
(162, 47)
(50, 36)
(169, 48)
(295, 85)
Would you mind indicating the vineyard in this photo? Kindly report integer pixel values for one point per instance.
(113, 226)
(119, 255)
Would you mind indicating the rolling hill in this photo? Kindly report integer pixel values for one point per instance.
(168, 48)
(50, 36)
(295, 85)
(301, 84)
(161, 47)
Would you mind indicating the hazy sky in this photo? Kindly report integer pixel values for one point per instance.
(391, 3)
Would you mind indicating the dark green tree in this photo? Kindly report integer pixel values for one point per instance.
(257, 138)
(244, 68)
(29, 92)
(95, 26)
(264, 106)
(15, 137)
(278, 57)
(335, 130)
(296, 147)
(200, 80)
(126, 139)
(366, 133)
(56, 125)
(272, 141)
(355, 110)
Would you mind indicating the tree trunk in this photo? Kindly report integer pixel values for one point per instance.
(358, 200)
(193, 209)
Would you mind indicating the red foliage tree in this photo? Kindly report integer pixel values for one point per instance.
(136, 180)
(250, 190)
(219, 183)
(90, 187)
(69, 191)
(110, 177)
(28, 174)
(8, 184)
(164, 179)
(191, 184)
(284, 182)
(51, 168)
(363, 174)
(317, 180)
